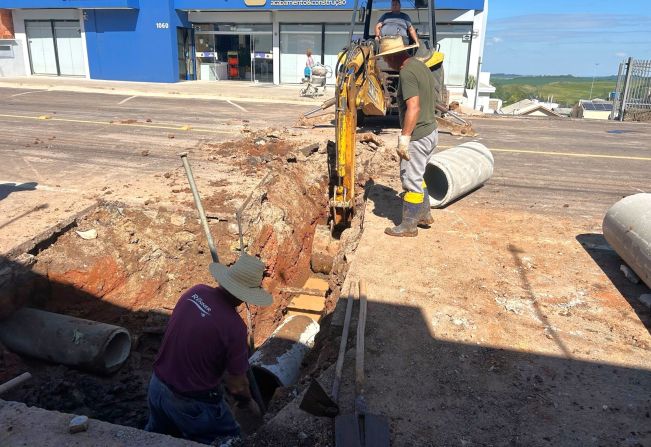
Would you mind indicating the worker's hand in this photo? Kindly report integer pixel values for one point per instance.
(403, 146)
(248, 415)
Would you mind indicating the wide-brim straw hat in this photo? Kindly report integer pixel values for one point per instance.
(243, 280)
(393, 44)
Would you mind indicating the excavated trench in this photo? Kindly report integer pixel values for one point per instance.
(142, 259)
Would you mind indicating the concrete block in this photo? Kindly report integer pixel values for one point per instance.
(78, 424)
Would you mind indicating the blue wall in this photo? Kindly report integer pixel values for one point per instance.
(134, 44)
(78, 4)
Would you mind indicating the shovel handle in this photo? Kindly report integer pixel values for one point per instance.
(197, 202)
(359, 348)
(342, 344)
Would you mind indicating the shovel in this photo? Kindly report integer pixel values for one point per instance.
(316, 401)
(361, 428)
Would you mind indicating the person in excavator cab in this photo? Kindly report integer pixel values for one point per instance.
(396, 23)
(418, 137)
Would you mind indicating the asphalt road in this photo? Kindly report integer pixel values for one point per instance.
(576, 167)
(68, 145)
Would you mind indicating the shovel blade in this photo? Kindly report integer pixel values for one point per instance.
(317, 402)
(376, 430)
(347, 431)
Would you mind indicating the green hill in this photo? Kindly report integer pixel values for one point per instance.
(566, 90)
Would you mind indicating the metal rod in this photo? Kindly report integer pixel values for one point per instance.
(197, 202)
(477, 82)
(352, 22)
(342, 344)
(629, 70)
(241, 209)
(360, 402)
(15, 382)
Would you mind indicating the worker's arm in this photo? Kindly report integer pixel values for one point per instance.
(378, 27)
(238, 386)
(411, 115)
(412, 33)
(408, 126)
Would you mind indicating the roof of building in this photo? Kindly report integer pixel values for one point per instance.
(599, 106)
(527, 107)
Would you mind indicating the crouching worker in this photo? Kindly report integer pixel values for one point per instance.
(204, 349)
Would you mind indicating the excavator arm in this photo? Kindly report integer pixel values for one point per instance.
(358, 87)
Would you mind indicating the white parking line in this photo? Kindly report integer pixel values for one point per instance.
(125, 100)
(27, 93)
(239, 107)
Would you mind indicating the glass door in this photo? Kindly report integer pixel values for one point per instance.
(186, 54)
(42, 54)
(55, 47)
(262, 57)
(70, 52)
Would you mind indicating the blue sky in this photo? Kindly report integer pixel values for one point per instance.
(538, 37)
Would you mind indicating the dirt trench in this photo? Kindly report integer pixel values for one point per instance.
(143, 258)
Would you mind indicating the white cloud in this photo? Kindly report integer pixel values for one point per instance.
(620, 54)
(497, 39)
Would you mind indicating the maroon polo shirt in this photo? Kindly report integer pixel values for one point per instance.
(205, 337)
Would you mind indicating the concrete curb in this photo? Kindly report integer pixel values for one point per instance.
(171, 94)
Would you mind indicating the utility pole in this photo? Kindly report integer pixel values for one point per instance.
(593, 76)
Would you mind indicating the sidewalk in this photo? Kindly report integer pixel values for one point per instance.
(242, 91)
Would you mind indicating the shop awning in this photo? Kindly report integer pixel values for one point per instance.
(217, 5)
(78, 4)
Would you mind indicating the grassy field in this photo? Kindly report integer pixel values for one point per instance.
(566, 90)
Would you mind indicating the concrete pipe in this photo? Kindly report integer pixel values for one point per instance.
(278, 361)
(86, 344)
(627, 228)
(456, 171)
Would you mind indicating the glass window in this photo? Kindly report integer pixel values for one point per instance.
(455, 45)
(336, 39)
(234, 51)
(294, 42)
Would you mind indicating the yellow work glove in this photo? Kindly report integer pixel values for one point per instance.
(403, 146)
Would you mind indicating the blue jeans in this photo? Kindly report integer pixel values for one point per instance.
(176, 415)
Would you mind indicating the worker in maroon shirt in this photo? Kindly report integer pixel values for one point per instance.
(205, 344)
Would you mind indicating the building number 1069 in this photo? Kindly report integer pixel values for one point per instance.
(162, 25)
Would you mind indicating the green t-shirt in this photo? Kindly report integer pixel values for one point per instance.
(417, 80)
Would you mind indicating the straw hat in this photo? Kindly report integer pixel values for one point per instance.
(393, 44)
(243, 279)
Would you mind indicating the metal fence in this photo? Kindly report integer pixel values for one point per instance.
(633, 97)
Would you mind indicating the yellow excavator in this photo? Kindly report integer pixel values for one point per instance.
(365, 86)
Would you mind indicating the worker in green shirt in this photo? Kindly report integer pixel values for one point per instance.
(418, 136)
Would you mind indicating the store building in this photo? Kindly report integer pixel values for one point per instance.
(210, 40)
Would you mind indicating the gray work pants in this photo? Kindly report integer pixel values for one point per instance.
(413, 170)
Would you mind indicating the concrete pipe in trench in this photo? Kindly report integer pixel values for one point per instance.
(278, 361)
(627, 228)
(71, 341)
(456, 171)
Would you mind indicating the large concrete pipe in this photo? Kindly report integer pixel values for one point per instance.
(86, 344)
(278, 361)
(456, 171)
(627, 228)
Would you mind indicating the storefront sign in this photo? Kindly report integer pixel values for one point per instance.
(207, 54)
(262, 4)
(220, 5)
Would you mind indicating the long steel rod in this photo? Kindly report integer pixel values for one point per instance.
(197, 202)
(342, 344)
(627, 81)
(360, 401)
